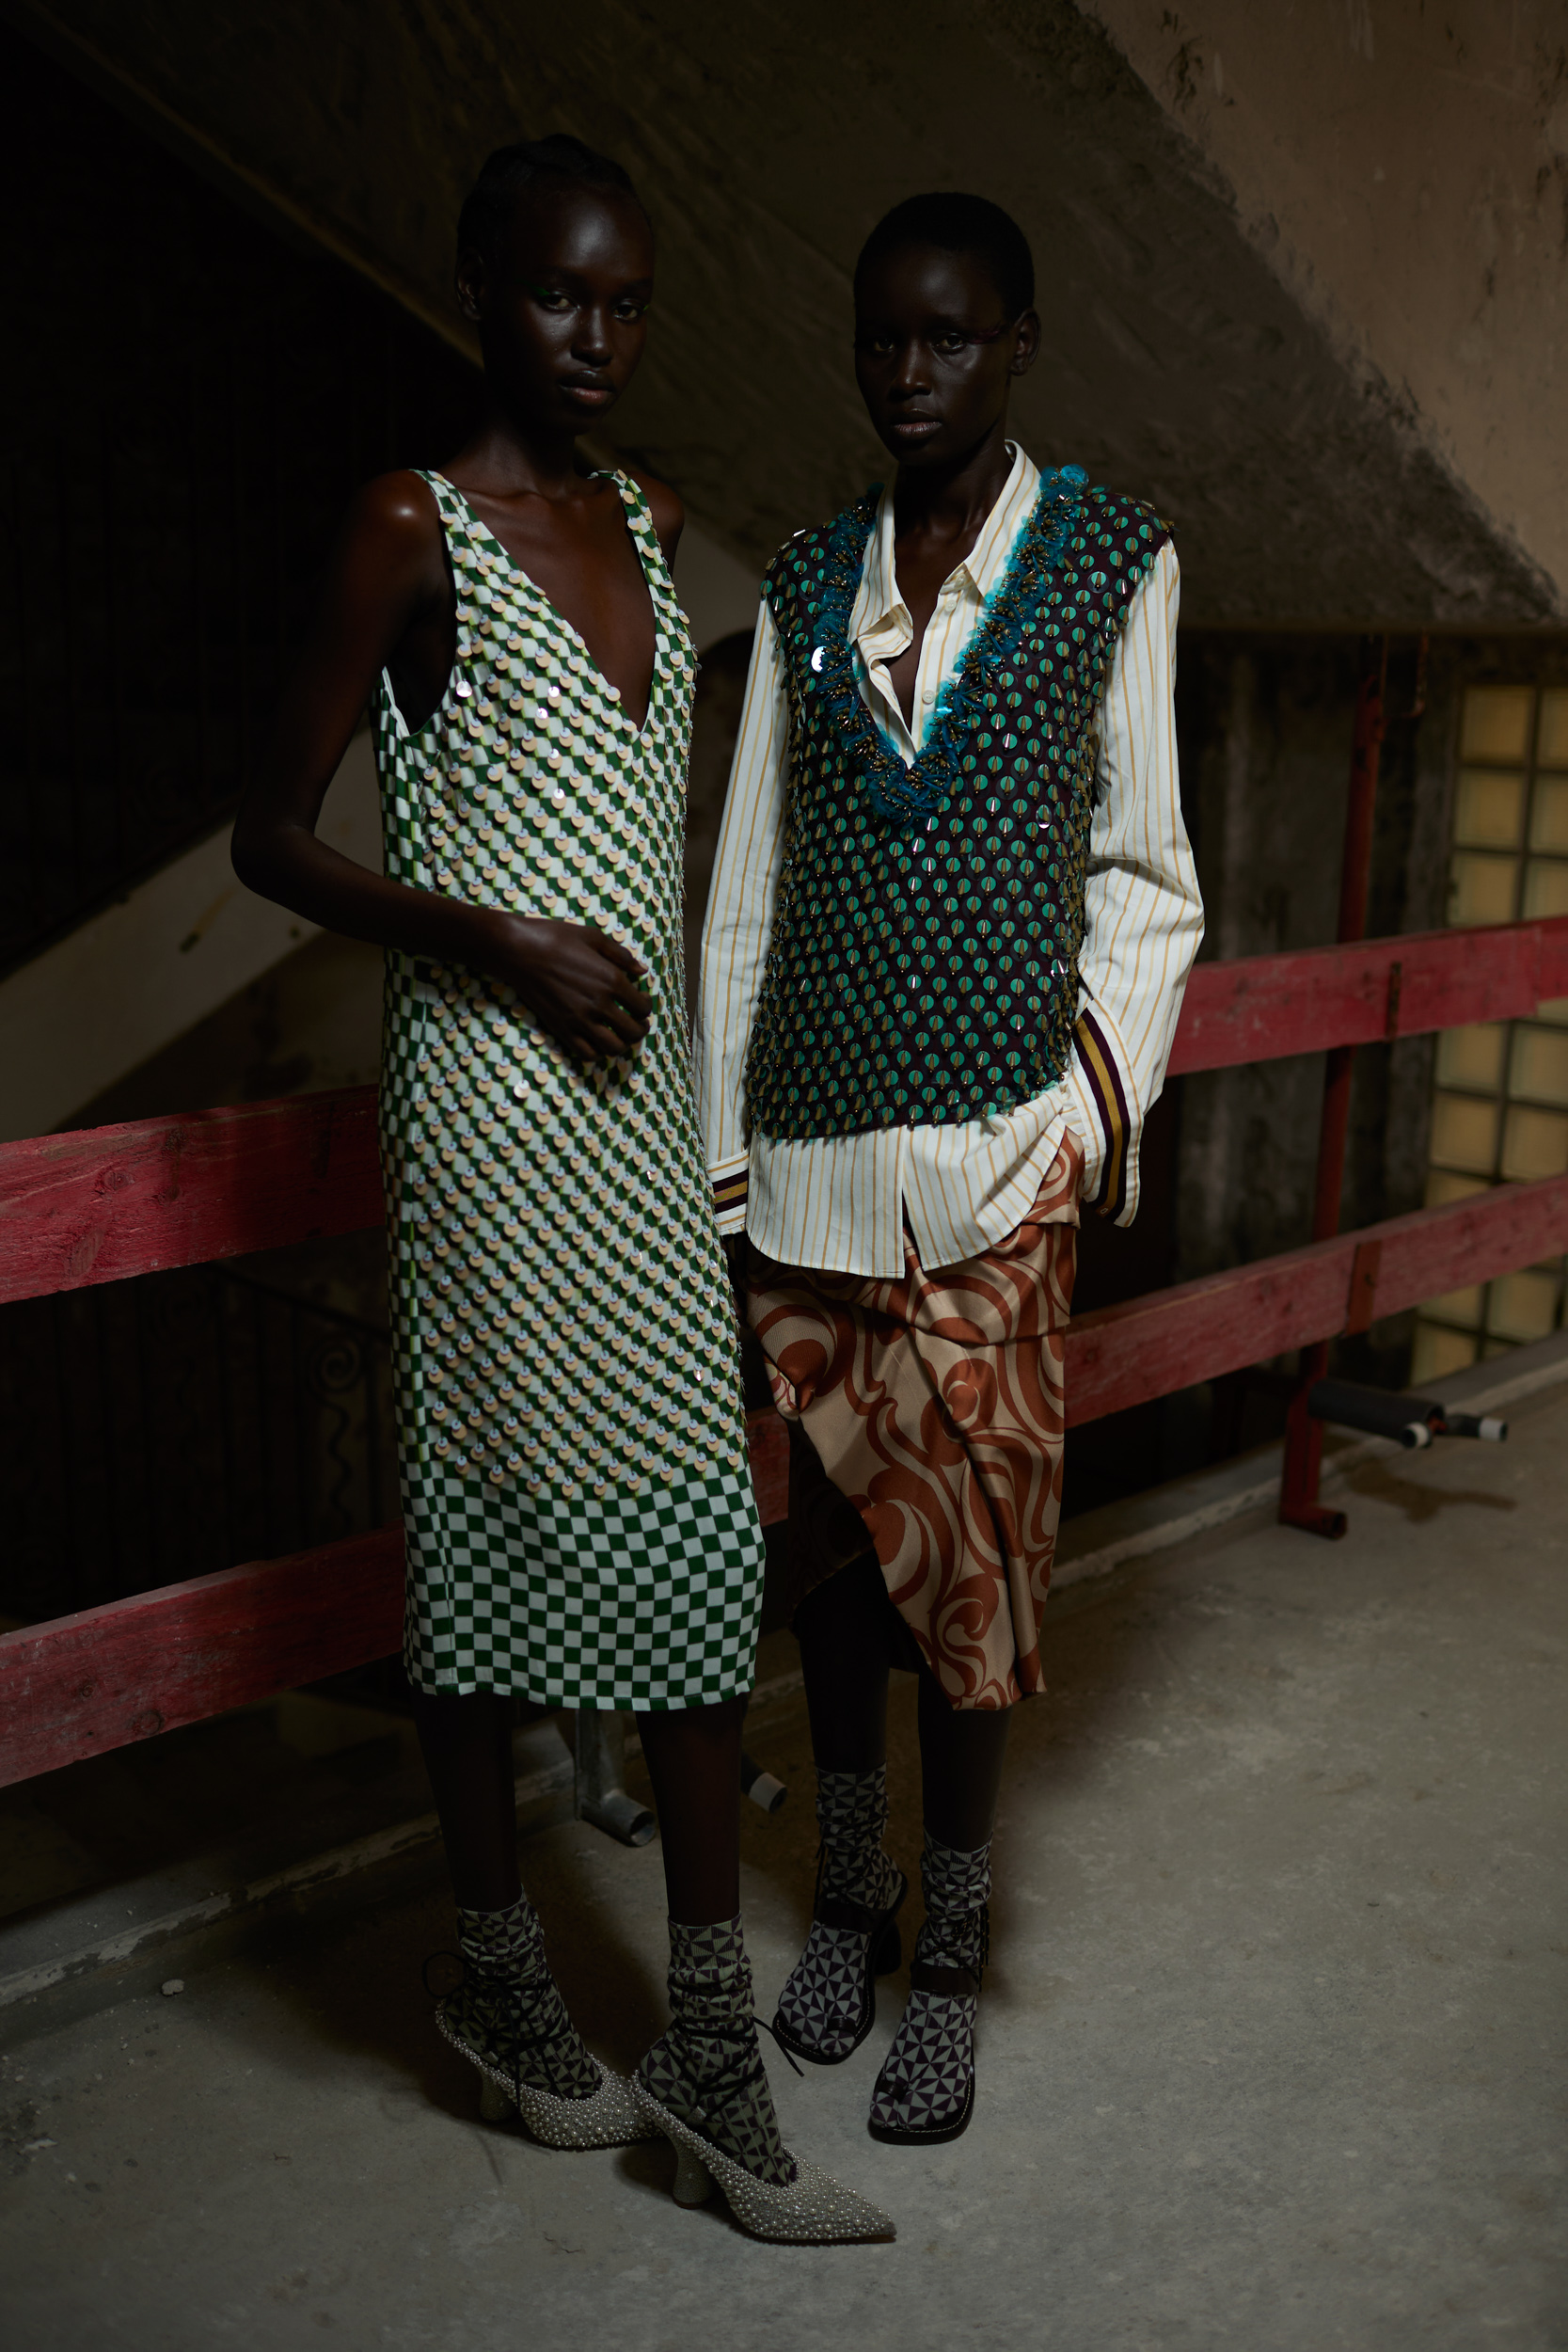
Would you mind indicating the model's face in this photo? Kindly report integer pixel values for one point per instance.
(562, 306)
(934, 356)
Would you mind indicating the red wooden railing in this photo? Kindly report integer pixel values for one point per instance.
(99, 1205)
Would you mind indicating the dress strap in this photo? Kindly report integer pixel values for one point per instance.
(656, 569)
(457, 516)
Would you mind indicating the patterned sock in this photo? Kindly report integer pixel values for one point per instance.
(507, 2008)
(927, 2074)
(707, 2070)
(821, 2004)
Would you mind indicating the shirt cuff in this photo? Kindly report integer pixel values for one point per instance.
(1099, 1095)
(1079, 1114)
(730, 1186)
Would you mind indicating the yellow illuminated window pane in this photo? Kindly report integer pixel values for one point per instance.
(1464, 1134)
(1482, 888)
(1461, 1306)
(1548, 816)
(1554, 1008)
(1443, 1185)
(1496, 723)
(1539, 1065)
(1437, 1353)
(1551, 742)
(1545, 886)
(1535, 1143)
(1489, 808)
(1473, 1058)
(1523, 1306)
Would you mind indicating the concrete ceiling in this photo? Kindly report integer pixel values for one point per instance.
(1404, 170)
(1184, 360)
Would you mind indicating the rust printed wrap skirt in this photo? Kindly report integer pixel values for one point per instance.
(934, 1407)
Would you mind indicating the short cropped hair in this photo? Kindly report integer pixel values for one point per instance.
(493, 198)
(960, 224)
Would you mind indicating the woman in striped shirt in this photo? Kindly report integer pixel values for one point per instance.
(953, 911)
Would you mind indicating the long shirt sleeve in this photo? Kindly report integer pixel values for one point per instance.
(739, 921)
(1142, 914)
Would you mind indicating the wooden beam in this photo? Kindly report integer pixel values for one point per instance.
(107, 1677)
(103, 1202)
(104, 1677)
(1168, 1340)
(83, 1684)
(1265, 1007)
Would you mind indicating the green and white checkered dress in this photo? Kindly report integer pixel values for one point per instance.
(579, 1505)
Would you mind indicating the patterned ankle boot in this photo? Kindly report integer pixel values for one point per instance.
(925, 2090)
(507, 2018)
(828, 2002)
(705, 2087)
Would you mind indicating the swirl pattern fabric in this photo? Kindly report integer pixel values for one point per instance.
(936, 1407)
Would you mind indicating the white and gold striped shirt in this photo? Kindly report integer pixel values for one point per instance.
(838, 1203)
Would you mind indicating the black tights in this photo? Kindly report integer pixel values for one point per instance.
(693, 1759)
(850, 1634)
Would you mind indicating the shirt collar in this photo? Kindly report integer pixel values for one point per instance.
(982, 567)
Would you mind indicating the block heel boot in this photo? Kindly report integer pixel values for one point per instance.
(828, 2002)
(925, 2092)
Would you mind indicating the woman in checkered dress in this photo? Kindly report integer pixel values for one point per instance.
(580, 1526)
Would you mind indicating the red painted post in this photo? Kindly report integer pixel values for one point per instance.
(1303, 1437)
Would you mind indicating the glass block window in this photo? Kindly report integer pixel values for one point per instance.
(1501, 1101)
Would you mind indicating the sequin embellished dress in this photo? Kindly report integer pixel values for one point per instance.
(577, 1496)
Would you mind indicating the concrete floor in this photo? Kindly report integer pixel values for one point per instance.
(1271, 2046)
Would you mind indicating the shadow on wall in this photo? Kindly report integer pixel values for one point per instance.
(177, 458)
(313, 1021)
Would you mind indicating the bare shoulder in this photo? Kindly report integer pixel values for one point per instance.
(390, 555)
(664, 505)
(398, 511)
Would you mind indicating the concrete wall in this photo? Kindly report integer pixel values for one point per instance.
(1404, 170)
(1266, 727)
(1313, 479)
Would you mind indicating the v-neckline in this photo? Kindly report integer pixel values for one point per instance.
(478, 522)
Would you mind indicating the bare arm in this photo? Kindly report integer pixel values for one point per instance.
(388, 598)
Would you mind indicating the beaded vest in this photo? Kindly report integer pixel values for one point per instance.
(923, 968)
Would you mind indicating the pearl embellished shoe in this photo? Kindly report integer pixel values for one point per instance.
(608, 2118)
(507, 2018)
(705, 2087)
(813, 2209)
